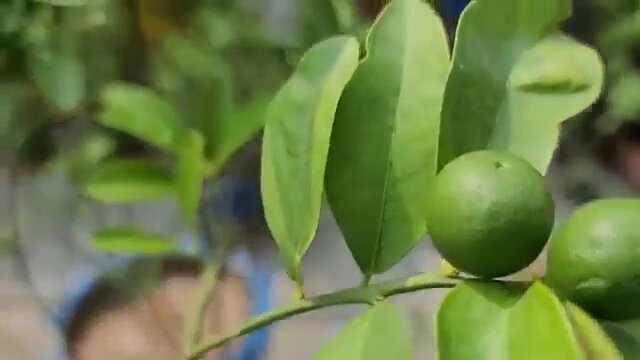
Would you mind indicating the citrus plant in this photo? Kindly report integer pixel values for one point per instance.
(407, 138)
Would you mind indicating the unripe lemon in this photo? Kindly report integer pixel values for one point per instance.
(594, 258)
(489, 214)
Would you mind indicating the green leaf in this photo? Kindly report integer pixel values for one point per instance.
(383, 147)
(595, 342)
(129, 181)
(624, 97)
(513, 82)
(317, 20)
(217, 107)
(497, 321)
(12, 14)
(59, 72)
(346, 14)
(381, 333)
(190, 173)
(139, 112)
(82, 159)
(125, 240)
(626, 336)
(296, 143)
(235, 130)
(15, 123)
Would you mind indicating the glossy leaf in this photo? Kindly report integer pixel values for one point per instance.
(514, 81)
(190, 173)
(296, 143)
(383, 147)
(596, 345)
(139, 112)
(124, 240)
(381, 333)
(497, 321)
(128, 181)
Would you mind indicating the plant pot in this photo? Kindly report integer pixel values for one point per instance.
(103, 319)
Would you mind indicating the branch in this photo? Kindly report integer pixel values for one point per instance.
(194, 323)
(360, 295)
(209, 278)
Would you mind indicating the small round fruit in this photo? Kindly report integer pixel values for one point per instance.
(594, 258)
(489, 214)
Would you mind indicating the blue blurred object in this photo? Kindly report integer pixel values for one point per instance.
(451, 9)
(238, 199)
(258, 283)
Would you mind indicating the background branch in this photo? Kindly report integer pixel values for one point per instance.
(194, 324)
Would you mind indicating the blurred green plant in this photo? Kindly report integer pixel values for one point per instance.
(149, 99)
(619, 42)
(215, 63)
(596, 153)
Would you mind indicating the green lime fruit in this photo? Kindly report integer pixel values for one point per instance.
(594, 258)
(489, 214)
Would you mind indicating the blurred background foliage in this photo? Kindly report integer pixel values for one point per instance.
(214, 61)
(89, 88)
(217, 62)
(600, 152)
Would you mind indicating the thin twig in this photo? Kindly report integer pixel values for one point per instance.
(194, 324)
(358, 295)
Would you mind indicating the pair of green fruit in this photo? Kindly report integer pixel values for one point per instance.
(489, 215)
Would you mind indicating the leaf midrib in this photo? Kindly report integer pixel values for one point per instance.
(383, 209)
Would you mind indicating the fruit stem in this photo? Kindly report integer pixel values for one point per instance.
(358, 295)
(366, 279)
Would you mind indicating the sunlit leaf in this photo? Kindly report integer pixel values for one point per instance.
(124, 240)
(381, 333)
(514, 81)
(596, 345)
(383, 148)
(626, 336)
(296, 143)
(501, 322)
(138, 111)
(190, 173)
(238, 128)
(129, 181)
(82, 159)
